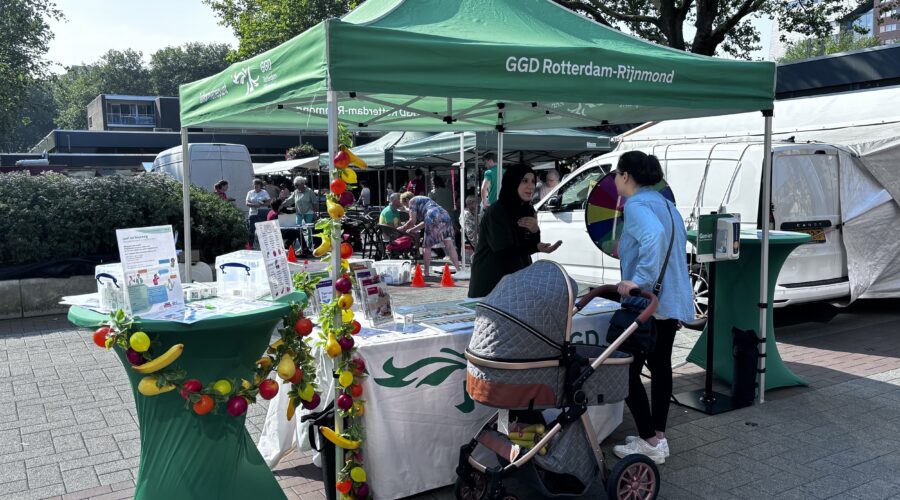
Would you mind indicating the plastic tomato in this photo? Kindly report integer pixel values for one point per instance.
(298, 376)
(303, 326)
(356, 390)
(338, 186)
(204, 405)
(346, 250)
(100, 336)
(344, 486)
(356, 327)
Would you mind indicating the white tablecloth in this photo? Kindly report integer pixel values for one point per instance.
(417, 411)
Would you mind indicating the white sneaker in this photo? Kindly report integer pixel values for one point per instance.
(663, 444)
(462, 275)
(641, 447)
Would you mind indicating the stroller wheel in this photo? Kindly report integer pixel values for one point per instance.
(472, 486)
(633, 477)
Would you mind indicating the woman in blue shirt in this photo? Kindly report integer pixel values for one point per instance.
(650, 221)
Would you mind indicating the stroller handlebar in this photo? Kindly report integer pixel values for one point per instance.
(613, 290)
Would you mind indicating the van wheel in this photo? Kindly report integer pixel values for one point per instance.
(700, 288)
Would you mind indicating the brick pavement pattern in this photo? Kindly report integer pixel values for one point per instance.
(68, 428)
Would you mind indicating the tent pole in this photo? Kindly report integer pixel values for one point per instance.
(335, 253)
(462, 195)
(186, 201)
(764, 304)
(499, 161)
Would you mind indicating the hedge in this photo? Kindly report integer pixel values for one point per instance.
(50, 216)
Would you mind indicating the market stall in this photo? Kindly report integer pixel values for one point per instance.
(394, 65)
(417, 410)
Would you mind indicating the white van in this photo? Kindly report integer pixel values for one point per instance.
(211, 163)
(723, 177)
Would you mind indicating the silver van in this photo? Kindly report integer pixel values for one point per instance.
(211, 163)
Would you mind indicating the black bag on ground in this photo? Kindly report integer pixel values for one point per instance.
(642, 341)
(324, 418)
(746, 356)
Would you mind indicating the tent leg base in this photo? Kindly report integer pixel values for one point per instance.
(717, 403)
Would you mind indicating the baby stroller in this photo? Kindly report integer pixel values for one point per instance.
(521, 358)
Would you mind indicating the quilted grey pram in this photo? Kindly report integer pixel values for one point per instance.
(520, 356)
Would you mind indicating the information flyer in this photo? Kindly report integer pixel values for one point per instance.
(274, 256)
(150, 269)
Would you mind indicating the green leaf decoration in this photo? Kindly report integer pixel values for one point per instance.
(468, 404)
(438, 376)
(399, 375)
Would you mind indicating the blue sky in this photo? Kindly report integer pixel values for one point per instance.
(94, 26)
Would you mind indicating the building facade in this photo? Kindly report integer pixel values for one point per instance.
(133, 113)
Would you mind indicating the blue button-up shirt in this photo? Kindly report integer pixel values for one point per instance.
(642, 250)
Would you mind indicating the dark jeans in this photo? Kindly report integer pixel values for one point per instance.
(650, 416)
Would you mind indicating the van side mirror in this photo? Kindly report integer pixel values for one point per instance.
(554, 203)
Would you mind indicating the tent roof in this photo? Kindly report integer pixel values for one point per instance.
(443, 65)
(281, 167)
(373, 152)
(527, 145)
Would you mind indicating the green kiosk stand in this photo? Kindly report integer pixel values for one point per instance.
(734, 297)
(185, 455)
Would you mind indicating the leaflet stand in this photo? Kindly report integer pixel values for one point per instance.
(718, 238)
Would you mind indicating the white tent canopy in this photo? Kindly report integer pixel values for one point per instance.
(285, 167)
(866, 125)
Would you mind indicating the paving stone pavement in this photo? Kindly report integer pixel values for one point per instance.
(68, 428)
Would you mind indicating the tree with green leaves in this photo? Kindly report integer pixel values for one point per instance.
(173, 66)
(261, 25)
(24, 40)
(34, 120)
(815, 47)
(720, 25)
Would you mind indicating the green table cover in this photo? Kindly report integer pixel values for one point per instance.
(190, 456)
(737, 293)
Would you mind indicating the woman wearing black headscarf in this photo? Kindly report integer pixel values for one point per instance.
(508, 233)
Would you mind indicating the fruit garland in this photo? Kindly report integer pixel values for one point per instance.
(289, 356)
(337, 328)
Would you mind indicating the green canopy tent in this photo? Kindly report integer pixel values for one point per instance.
(529, 64)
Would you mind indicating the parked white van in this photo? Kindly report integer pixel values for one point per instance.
(722, 177)
(211, 163)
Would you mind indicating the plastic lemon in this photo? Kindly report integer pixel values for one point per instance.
(139, 341)
(223, 387)
(346, 378)
(358, 474)
(345, 301)
(348, 176)
(347, 315)
(345, 264)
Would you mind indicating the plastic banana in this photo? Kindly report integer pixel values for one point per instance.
(291, 408)
(147, 386)
(339, 440)
(160, 362)
(354, 160)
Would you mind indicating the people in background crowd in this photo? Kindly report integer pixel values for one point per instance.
(436, 226)
(283, 191)
(258, 202)
(221, 188)
(271, 188)
(550, 181)
(489, 187)
(276, 209)
(416, 185)
(365, 194)
(441, 194)
(469, 219)
(390, 215)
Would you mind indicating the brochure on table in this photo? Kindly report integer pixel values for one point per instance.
(275, 258)
(375, 298)
(150, 270)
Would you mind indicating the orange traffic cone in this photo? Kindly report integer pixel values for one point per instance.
(446, 279)
(291, 256)
(418, 280)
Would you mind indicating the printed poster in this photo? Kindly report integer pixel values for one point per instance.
(275, 258)
(150, 268)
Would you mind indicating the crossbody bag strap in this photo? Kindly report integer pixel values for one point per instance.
(657, 288)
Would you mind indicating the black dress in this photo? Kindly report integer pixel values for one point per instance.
(503, 248)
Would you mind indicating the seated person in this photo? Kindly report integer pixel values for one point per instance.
(391, 214)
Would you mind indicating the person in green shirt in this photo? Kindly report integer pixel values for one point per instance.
(489, 186)
(390, 215)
